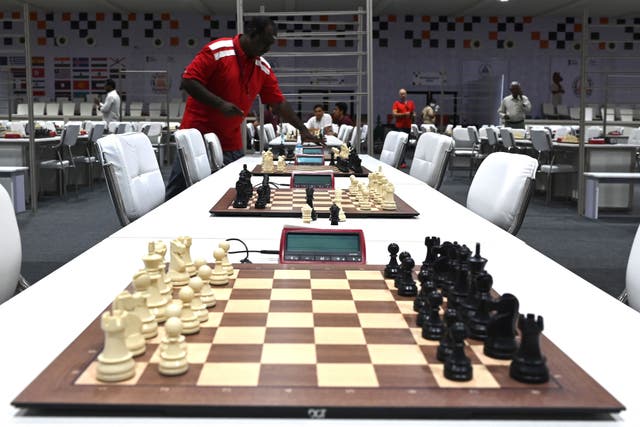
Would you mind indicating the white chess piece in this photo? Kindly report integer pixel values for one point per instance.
(226, 265)
(177, 264)
(115, 362)
(155, 302)
(306, 213)
(198, 307)
(365, 203)
(206, 293)
(132, 324)
(189, 266)
(154, 265)
(173, 353)
(282, 165)
(148, 319)
(389, 202)
(190, 322)
(219, 276)
(161, 249)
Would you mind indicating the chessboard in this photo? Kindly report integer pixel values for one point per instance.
(313, 341)
(290, 168)
(287, 203)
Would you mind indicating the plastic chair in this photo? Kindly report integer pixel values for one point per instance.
(541, 141)
(215, 151)
(631, 294)
(11, 249)
(393, 148)
(89, 158)
(431, 158)
(192, 154)
(63, 161)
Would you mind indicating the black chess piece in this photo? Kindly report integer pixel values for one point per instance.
(433, 328)
(264, 193)
(309, 200)
(457, 367)
(408, 286)
(446, 342)
(391, 270)
(480, 318)
(501, 330)
(529, 365)
(420, 300)
(332, 158)
(244, 189)
(355, 163)
(398, 279)
(334, 210)
(470, 304)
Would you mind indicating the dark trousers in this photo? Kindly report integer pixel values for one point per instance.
(177, 183)
(514, 125)
(404, 149)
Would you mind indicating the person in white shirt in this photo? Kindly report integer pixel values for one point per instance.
(514, 107)
(110, 108)
(320, 120)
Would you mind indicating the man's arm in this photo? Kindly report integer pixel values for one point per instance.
(526, 104)
(285, 111)
(203, 95)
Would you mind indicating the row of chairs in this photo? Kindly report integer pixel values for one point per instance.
(593, 112)
(132, 108)
(344, 133)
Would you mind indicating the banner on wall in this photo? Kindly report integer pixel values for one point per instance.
(429, 78)
(160, 83)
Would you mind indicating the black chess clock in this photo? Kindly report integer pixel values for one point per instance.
(314, 245)
(319, 179)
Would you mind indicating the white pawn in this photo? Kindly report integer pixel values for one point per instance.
(306, 213)
(228, 267)
(199, 309)
(173, 353)
(115, 362)
(219, 276)
(132, 324)
(190, 322)
(282, 166)
(365, 204)
(206, 293)
(148, 319)
(174, 310)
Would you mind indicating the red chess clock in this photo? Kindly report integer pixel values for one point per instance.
(315, 245)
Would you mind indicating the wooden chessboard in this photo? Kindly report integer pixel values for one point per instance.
(290, 168)
(287, 203)
(312, 341)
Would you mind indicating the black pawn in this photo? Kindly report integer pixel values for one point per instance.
(433, 328)
(501, 330)
(408, 286)
(420, 300)
(479, 319)
(446, 342)
(529, 365)
(391, 269)
(334, 212)
(398, 279)
(332, 159)
(457, 367)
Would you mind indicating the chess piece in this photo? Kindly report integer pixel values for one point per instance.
(388, 200)
(426, 287)
(432, 329)
(529, 365)
(198, 307)
(334, 211)
(353, 186)
(226, 265)
(333, 153)
(430, 243)
(190, 322)
(282, 165)
(365, 202)
(244, 189)
(115, 362)
(479, 320)
(164, 284)
(264, 193)
(392, 268)
(457, 367)
(155, 302)
(148, 319)
(206, 293)
(306, 213)
(134, 339)
(408, 286)
(173, 354)
(445, 348)
(188, 263)
(309, 199)
(398, 279)
(219, 276)
(338, 201)
(178, 265)
(267, 161)
(501, 329)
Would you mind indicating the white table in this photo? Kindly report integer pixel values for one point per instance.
(595, 330)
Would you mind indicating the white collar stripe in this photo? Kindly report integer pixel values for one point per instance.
(262, 67)
(220, 44)
(265, 62)
(222, 53)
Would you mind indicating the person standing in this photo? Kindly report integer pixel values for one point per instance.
(340, 116)
(110, 108)
(514, 108)
(222, 82)
(403, 112)
(556, 89)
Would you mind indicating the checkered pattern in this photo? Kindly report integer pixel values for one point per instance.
(312, 328)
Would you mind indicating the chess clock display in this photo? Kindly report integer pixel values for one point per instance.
(310, 159)
(319, 179)
(311, 245)
(314, 150)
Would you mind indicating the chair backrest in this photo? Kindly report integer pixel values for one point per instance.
(634, 137)
(10, 247)
(124, 127)
(215, 150)
(548, 110)
(633, 273)
(428, 128)
(155, 109)
(68, 108)
(462, 138)
(193, 155)
(153, 130)
(492, 136)
(563, 131)
(474, 136)
(347, 134)
(448, 130)
(174, 109)
(53, 109)
(593, 132)
(86, 109)
(70, 134)
(501, 189)
(507, 138)
(541, 140)
(96, 132)
(363, 134)
(353, 138)
(393, 148)
(133, 176)
(135, 108)
(271, 132)
(588, 113)
(38, 108)
(341, 131)
(23, 109)
(431, 158)
(611, 113)
(563, 111)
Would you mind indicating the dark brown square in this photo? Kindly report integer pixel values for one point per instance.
(244, 319)
(330, 353)
(336, 319)
(292, 283)
(255, 274)
(330, 294)
(377, 307)
(288, 375)
(368, 284)
(290, 335)
(405, 376)
(205, 335)
(411, 319)
(290, 307)
(501, 374)
(219, 307)
(148, 352)
(151, 376)
(250, 294)
(337, 273)
(388, 336)
(240, 353)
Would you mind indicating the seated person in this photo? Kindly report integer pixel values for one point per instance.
(320, 120)
(340, 116)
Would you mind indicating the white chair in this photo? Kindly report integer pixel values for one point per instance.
(38, 108)
(428, 128)
(271, 132)
(156, 109)
(541, 141)
(549, 111)
(11, 249)
(132, 173)
(87, 109)
(63, 161)
(501, 189)
(52, 109)
(153, 130)
(508, 141)
(215, 151)
(563, 111)
(192, 154)
(347, 134)
(89, 158)
(135, 108)
(593, 132)
(431, 158)
(610, 113)
(631, 293)
(174, 109)
(393, 148)
(68, 109)
(341, 131)
(465, 147)
(492, 139)
(23, 109)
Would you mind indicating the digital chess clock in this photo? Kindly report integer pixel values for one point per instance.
(310, 159)
(312, 150)
(307, 245)
(319, 179)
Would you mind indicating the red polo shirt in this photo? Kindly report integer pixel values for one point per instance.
(406, 107)
(223, 68)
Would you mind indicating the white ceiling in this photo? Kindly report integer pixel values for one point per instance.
(610, 8)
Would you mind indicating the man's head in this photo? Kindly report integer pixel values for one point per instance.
(339, 110)
(515, 89)
(109, 85)
(318, 111)
(260, 34)
(557, 77)
(403, 94)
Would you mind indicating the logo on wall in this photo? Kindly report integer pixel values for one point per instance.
(576, 86)
(160, 83)
(485, 70)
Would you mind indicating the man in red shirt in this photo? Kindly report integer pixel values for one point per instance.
(222, 81)
(404, 112)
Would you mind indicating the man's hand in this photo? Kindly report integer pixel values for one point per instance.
(307, 136)
(230, 109)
